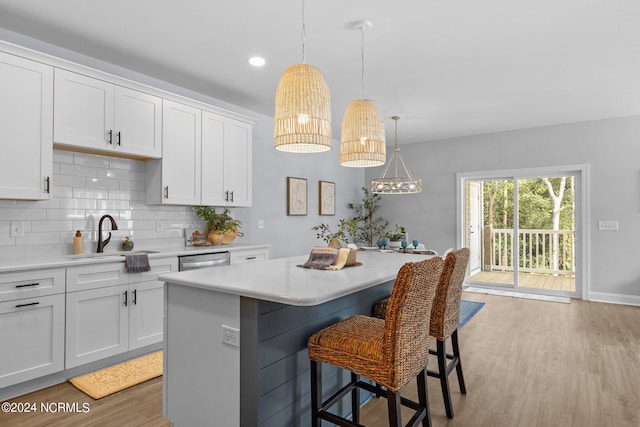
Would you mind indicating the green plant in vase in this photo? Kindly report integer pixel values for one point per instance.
(222, 227)
(369, 226)
(397, 236)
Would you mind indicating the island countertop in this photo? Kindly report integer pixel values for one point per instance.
(281, 280)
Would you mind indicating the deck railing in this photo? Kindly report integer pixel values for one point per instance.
(540, 251)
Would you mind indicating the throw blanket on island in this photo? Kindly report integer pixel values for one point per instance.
(321, 258)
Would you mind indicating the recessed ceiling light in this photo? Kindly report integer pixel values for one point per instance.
(257, 61)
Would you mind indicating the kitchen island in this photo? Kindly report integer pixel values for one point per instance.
(236, 336)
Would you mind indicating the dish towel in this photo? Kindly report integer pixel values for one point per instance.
(138, 263)
(343, 256)
(321, 258)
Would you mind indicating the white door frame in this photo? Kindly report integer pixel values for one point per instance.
(580, 171)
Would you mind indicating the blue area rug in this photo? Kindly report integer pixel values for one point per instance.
(468, 309)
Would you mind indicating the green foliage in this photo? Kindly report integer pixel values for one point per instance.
(217, 221)
(398, 234)
(345, 228)
(369, 226)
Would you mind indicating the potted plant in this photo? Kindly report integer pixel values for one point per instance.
(345, 228)
(223, 229)
(396, 236)
(369, 227)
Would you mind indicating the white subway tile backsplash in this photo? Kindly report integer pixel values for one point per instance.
(97, 161)
(62, 191)
(78, 170)
(85, 187)
(90, 193)
(44, 226)
(69, 180)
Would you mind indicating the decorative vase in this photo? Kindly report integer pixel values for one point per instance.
(334, 243)
(216, 237)
(229, 236)
(127, 245)
(395, 243)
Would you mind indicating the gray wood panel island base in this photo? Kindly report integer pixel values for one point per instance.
(236, 337)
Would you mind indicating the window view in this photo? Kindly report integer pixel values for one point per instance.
(521, 232)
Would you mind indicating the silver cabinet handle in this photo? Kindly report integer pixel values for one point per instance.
(166, 192)
(110, 141)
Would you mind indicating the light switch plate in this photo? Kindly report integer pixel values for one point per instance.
(608, 225)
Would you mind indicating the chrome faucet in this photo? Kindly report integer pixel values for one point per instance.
(101, 243)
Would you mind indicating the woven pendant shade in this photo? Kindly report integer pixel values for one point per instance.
(302, 121)
(363, 140)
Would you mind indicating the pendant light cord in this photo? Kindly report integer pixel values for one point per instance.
(362, 57)
(303, 32)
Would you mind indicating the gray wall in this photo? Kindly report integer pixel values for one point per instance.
(610, 147)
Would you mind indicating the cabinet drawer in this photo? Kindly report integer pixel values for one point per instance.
(96, 276)
(31, 283)
(158, 266)
(237, 257)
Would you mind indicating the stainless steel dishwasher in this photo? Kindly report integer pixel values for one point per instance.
(194, 262)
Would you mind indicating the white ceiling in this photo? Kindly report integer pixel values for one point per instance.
(447, 67)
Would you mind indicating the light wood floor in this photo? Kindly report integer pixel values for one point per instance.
(527, 363)
(528, 280)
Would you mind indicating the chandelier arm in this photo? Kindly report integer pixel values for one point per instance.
(386, 168)
(406, 171)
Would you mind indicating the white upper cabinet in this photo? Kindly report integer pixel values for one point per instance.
(96, 116)
(26, 122)
(226, 161)
(175, 179)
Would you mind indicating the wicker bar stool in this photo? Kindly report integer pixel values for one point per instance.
(445, 317)
(390, 352)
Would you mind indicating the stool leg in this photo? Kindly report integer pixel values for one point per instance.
(355, 400)
(444, 378)
(423, 396)
(456, 355)
(393, 404)
(316, 392)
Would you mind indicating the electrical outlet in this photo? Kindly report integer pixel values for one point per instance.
(260, 224)
(17, 229)
(159, 226)
(608, 225)
(230, 336)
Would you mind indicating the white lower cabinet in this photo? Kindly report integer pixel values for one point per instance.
(249, 255)
(97, 324)
(32, 338)
(112, 319)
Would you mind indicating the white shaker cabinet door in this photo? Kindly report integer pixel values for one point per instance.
(238, 162)
(213, 168)
(97, 324)
(146, 313)
(83, 111)
(26, 123)
(32, 337)
(137, 123)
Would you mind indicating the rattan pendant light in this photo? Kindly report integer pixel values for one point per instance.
(302, 120)
(362, 141)
(397, 184)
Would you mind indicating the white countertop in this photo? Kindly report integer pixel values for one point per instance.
(280, 280)
(36, 262)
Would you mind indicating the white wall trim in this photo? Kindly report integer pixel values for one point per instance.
(614, 298)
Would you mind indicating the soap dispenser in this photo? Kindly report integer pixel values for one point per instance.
(78, 243)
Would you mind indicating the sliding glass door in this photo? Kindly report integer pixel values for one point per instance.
(521, 231)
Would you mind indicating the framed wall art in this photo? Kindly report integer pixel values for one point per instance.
(296, 196)
(327, 198)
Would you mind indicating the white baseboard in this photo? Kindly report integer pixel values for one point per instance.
(614, 298)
